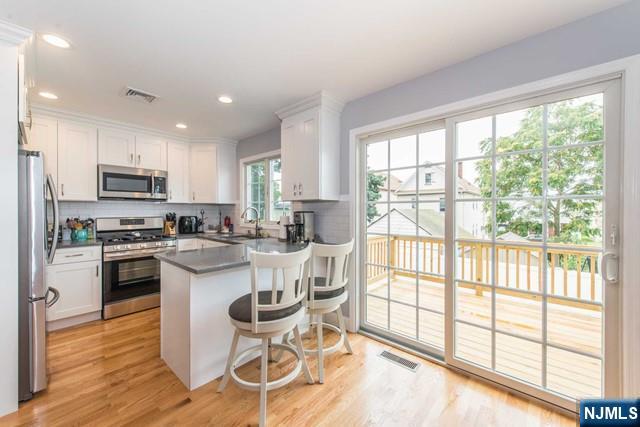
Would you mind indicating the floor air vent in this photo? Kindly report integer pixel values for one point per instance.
(398, 360)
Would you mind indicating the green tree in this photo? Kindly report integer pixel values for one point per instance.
(573, 171)
(374, 183)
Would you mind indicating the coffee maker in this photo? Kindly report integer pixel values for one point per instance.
(303, 222)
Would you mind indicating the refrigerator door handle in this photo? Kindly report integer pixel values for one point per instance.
(56, 219)
(56, 296)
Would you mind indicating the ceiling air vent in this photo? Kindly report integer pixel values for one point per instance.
(139, 95)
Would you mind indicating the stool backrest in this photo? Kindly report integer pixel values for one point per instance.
(336, 258)
(287, 270)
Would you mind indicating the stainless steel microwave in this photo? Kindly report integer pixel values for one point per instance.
(118, 182)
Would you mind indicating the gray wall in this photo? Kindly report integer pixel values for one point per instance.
(258, 144)
(603, 37)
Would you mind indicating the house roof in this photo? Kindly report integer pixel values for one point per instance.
(464, 186)
(403, 223)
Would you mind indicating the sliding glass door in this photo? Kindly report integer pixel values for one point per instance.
(405, 220)
(489, 251)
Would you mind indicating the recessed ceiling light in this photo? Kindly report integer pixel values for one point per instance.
(48, 95)
(56, 41)
(181, 126)
(225, 99)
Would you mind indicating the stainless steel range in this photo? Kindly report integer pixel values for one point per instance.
(130, 273)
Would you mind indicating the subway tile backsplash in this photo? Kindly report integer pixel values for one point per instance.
(331, 219)
(118, 208)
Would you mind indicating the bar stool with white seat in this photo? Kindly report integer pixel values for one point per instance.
(263, 314)
(327, 291)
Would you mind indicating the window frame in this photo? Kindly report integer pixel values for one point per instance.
(244, 163)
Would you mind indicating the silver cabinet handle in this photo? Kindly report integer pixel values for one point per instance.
(193, 197)
(62, 189)
(170, 194)
(139, 158)
(300, 188)
(73, 256)
(97, 271)
(131, 158)
(295, 187)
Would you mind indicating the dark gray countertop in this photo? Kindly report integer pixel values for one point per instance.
(225, 257)
(78, 243)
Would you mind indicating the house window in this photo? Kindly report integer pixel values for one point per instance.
(263, 190)
(442, 204)
(427, 179)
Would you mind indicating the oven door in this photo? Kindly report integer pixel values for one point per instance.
(129, 276)
(116, 182)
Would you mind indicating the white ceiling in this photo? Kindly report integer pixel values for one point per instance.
(265, 54)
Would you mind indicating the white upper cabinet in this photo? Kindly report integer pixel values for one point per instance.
(203, 167)
(213, 173)
(310, 149)
(116, 147)
(77, 161)
(178, 171)
(121, 148)
(43, 136)
(151, 153)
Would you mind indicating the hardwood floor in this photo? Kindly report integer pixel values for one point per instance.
(110, 373)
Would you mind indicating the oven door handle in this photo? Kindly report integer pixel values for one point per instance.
(115, 256)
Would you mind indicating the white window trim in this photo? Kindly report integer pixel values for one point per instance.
(269, 225)
(629, 67)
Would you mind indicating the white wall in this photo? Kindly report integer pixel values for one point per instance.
(9, 220)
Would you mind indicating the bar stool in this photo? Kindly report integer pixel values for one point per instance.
(326, 294)
(263, 314)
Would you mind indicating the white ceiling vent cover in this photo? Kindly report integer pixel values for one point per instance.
(138, 95)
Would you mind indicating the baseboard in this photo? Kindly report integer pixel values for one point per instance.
(55, 325)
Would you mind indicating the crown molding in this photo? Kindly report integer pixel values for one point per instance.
(320, 99)
(13, 34)
(214, 140)
(58, 113)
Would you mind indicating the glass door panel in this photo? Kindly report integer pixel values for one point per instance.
(405, 252)
(528, 230)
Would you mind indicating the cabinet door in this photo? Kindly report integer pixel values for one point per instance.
(178, 170)
(80, 289)
(43, 136)
(116, 147)
(188, 244)
(300, 156)
(203, 173)
(308, 180)
(289, 152)
(226, 173)
(77, 161)
(151, 153)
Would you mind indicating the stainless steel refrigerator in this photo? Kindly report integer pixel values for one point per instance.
(35, 251)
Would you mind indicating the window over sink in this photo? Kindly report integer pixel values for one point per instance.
(263, 189)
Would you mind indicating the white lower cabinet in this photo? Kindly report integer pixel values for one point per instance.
(204, 243)
(77, 275)
(192, 244)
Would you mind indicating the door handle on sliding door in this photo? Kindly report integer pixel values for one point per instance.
(604, 267)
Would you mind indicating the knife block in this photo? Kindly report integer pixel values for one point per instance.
(169, 228)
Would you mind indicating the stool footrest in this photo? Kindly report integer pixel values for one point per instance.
(256, 351)
(326, 350)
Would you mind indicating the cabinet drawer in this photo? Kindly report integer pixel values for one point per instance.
(188, 244)
(204, 244)
(80, 254)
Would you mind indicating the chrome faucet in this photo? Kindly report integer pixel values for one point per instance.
(244, 215)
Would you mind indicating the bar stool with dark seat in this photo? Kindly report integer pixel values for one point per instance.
(327, 291)
(263, 314)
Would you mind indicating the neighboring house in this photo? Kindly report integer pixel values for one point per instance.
(431, 188)
(403, 222)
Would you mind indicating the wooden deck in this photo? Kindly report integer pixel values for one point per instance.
(577, 328)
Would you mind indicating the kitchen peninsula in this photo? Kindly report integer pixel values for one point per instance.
(197, 288)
